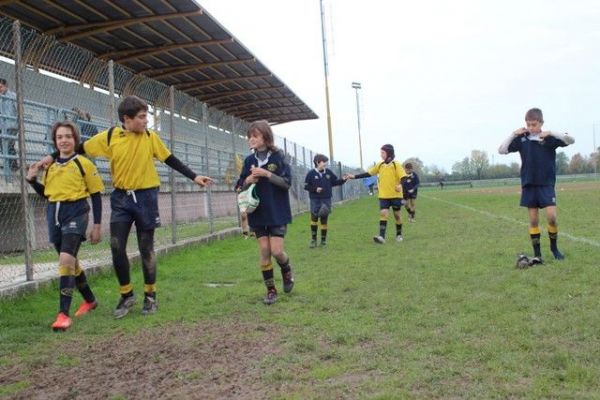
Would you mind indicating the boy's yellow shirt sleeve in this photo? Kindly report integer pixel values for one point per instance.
(400, 171)
(374, 169)
(159, 149)
(97, 145)
(93, 180)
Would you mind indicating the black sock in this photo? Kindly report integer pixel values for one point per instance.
(66, 286)
(313, 231)
(398, 229)
(535, 243)
(267, 273)
(285, 266)
(84, 288)
(382, 228)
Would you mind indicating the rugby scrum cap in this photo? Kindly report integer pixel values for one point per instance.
(389, 150)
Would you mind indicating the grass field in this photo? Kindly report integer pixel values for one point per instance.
(442, 315)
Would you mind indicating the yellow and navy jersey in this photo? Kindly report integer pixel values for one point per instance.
(72, 180)
(390, 175)
(131, 156)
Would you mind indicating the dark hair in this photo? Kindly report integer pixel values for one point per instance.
(72, 127)
(389, 151)
(535, 114)
(408, 165)
(131, 106)
(3, 81)
(318, 158)
(263, 127)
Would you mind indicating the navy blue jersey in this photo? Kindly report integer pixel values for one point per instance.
(538, 159)
(410, 182)
(274, 207)
(325, 180)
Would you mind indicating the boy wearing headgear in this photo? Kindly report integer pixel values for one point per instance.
(390, 172)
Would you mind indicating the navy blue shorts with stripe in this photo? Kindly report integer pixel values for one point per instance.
(538, 196)
(139, 206)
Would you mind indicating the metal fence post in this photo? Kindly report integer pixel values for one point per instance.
(341, 186)
(211, 225)
(172, 171)
(236, 172)
(21, 132)
(111, 91)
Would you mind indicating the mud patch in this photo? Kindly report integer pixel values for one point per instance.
(208, 361)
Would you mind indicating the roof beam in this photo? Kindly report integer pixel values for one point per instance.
(236, 105)
(189, 86)
(128, 54)
(158, 73)
(97, 27)
(239, 92)
(269, 110)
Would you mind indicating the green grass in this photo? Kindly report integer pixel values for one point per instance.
(442, 315)
(162, 236)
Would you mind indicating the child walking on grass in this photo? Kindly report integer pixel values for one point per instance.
(268, 169)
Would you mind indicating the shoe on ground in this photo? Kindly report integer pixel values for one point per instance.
(522, 261)
(379, 239)
(125, 304)
(323, 242)
(313, 244)
(288, 281)
(558, 255)
(271, 297)
(536, 261)
(85, 308)
(62, 323)
(399, 238)
(150, 305)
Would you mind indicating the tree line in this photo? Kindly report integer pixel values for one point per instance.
(477, 166)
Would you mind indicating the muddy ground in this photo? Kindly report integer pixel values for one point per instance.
(201, 361)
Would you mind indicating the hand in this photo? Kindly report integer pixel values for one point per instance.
(45, 162)
(398, 188)
(319, 190)
(95, 234)
(259, 172)
(250, 179)
(544, 134)
(32, 171)
(202, 180)
(520, 131)
(347, 176)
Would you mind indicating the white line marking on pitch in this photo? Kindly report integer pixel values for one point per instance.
(512, 220)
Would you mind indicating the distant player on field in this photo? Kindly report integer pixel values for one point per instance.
(410, 186)
(538, 176)
(319, 182)
(390, 173)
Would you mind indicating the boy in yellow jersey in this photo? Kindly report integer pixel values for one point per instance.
(67, 184)
(390, 173)
(131, 149)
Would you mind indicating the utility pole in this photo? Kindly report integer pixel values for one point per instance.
(356, 86)
(326, 71)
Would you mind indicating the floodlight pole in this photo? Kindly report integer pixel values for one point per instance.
(326, 71)
(356, 86)
(595, 149)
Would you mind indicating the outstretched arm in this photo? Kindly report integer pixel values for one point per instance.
(184, 170)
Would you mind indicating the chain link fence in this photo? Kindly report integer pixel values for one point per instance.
(51, 81)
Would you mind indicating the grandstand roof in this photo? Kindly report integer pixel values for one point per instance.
(175, 42)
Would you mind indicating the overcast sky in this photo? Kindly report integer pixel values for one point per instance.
(440, 78)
